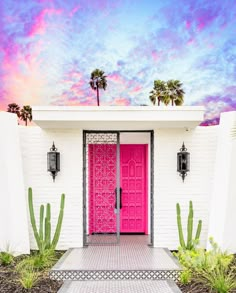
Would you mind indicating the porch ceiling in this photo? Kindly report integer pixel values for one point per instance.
(118, 117)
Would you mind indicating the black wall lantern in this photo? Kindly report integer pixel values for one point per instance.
(53, 161)
(183, 162)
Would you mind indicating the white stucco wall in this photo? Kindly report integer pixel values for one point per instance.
(35, 143)
(169, 188)
(223, 201)
(14, 236)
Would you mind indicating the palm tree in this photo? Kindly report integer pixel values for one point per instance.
(26, 114)
(175, 93)
(98, 81)
(158, 92)
(179, 101)
(14, 108)
(153, 97)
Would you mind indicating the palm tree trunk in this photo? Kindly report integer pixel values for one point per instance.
(26, 122)
(159, 100)
(98, 96)
(172, 102)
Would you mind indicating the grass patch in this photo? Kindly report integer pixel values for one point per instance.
(6, 258)
(28, 278)
(29, 272)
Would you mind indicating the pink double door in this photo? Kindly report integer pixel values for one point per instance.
(102, 185)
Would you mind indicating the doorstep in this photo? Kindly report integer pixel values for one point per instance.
(141, 286)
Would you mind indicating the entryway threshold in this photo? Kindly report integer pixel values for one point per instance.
(141, 286)
(131, 260)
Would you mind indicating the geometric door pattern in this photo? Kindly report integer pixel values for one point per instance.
(133, 180)
(102, 184)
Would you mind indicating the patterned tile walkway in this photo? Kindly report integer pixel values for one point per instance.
(164, 286)
(132, 259)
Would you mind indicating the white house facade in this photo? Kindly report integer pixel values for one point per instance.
(118, 156)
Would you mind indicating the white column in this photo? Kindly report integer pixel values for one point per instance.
(14, 235)
(223, 201)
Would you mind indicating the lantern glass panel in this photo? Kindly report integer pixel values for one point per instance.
(179, 162)
(52, 161)
(58, 161)
(184, 162)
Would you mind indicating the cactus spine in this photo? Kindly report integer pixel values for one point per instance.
(190, 241)
(43, 235)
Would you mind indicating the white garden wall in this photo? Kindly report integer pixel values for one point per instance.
(14, 236)
(223, 201)
(169, 188)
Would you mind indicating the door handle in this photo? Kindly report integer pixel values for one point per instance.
(120, 198)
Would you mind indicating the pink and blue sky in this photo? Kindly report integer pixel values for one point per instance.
(48, 49)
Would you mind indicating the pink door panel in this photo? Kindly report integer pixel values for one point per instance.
(133, 178)
(102, 183)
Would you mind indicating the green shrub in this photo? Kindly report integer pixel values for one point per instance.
(220, 279)
(45, 260)
(25, 264)
(211, 268)
(199, 259)
(6, 258)
(28, 278)
(38, 261)
(185, 277)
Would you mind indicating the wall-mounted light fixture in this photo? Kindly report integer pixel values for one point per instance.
(183, 162)
(53, 161)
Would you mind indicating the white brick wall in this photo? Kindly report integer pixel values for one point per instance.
(35, 144)
(168, 186)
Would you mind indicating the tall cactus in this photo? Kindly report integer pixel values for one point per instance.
(32, 218)
(190, 226)
(43, 235)
(59, 222)
(180, 229)
(190, 241)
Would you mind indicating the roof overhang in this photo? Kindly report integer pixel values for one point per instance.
(118, 117)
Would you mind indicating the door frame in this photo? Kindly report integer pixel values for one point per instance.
(150, 166)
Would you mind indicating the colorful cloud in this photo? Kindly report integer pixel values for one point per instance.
(48, 49)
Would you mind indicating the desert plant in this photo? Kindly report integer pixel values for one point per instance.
(191, 243)
(28, 278)
(43, 234)
(26, 264)
(219, 279)
(37, 261)
(199, 259)
(211, 268)
(6, 258)
(185, 276)
(98, 81)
